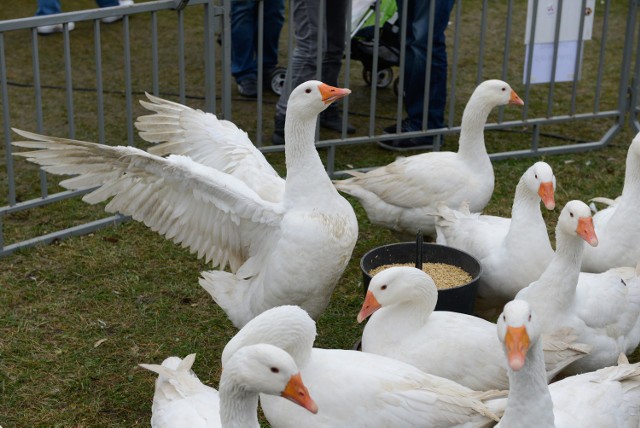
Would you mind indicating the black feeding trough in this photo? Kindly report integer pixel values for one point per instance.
(455, 299)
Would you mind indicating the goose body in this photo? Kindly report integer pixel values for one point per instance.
(181, 400)
(460, 347)
(357, 389)
(285, 241)
(606, 398)
(603, 312)
(616, 226)
(512, 252)
(403, 196)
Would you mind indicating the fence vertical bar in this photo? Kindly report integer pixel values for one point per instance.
(374, 70)
(529, 53)
(181, 64)
(605, 25)
(6, 118)
(97, 47)
(451, 93)
(403, 58)
(154, 55)
(37, 88)
(554, 60)
(625, 66)
(209, 62)
(127, 79)
(68, 80)
(505, 55)
(576, 69)
(483, 32)
(226, 60)
(427, 73)
(258, 139)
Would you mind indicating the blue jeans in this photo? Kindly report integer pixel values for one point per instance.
(49, 7)
(244, 36)
(416, 62)
(307, 22)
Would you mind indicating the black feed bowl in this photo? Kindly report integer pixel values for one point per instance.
(456, 299)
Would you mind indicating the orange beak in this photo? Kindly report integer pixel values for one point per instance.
(297, 392)
(586, 231)
(515, 99)
(546, 194)
(369, 306)
(331, 94)
(517, 344)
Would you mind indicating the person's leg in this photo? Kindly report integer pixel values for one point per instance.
(107, 3)
(243, 35)
(335, 31)
(416, 62)
(48, 7)
(303, 67)
(273, 22)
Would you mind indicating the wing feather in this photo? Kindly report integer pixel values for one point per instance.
(205, 210)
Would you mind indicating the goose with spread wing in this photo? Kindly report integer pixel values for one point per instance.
(285, 241)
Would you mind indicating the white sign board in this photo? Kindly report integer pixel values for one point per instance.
(543, 46)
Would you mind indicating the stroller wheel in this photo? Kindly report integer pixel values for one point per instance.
(385, 77)
(277, 78)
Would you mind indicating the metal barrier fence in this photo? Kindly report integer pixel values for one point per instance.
(184, 52)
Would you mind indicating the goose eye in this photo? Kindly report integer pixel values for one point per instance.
(384, 287)
(275, 370)
(504, 318)
(504, 89)
(529, 317)
(536, 176)
(308, 91)
(570, 214)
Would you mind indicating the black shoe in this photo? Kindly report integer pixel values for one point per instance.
(331, 119)
(404, 127)
(277, 139)
(248, 87)
(403, 145)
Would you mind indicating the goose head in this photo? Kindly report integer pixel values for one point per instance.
(267, 369)
(575, 219)
(495, 93)
(396, 285)
(310, 98)
(517, 330)
(287, 327)
(540, 180)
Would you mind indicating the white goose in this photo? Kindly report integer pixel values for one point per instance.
(617, 227)
(512, 252)
(460, 347)
(357, 389)
(181, 400)
(607, 398)
(604, 314)
(403, 196)
(286, 242)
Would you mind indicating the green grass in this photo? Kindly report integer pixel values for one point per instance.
(140, 292)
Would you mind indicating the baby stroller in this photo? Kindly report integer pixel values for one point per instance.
(362, 40)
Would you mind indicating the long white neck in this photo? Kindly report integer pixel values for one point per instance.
(307, 179)
(526, 216)
(238, 407)
(631, 188)
(529, 403)
(474, 117)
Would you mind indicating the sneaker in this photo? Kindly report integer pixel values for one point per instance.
(112, 19)
(277, 139)
(248, 87)
(421, 143)
(332, 119)
(55, 28)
